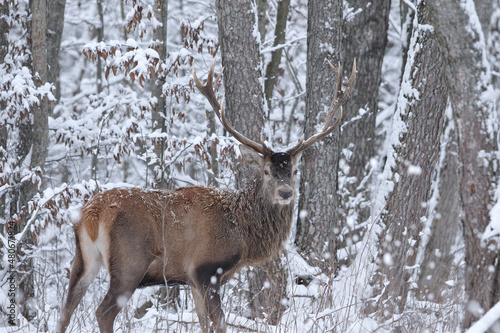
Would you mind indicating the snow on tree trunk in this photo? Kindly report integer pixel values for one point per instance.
(411, 162)
(317, 223)
(469, 81)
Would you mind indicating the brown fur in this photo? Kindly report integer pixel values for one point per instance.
(194, 235)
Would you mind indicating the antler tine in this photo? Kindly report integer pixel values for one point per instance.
(208, 92)
(339, 99)
(332, 111)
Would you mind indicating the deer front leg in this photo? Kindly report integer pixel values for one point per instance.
(211, 298)
(201, 311)
(207, 286)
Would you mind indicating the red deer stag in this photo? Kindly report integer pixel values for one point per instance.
(197, 236)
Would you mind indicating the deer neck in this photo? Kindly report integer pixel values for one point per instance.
(264, 226)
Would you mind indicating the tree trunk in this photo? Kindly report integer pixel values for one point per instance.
(315, 238)
(159, 113)
(267, 290)
(36, 140)
(364, 38)
(55, 24)
(438, 259)
(40, 66)
(100, 36)
(245, 109)
(484, 8)
(412, 162)
(462, 44)
(279, 39)
(261, 18)
(242, 79)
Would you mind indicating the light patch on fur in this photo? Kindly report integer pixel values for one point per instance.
(91, 257)
(102, 244)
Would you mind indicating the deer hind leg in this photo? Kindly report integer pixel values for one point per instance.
(128, 263)
(124, 279)
(85, 267)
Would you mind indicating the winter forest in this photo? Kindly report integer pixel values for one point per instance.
(396, 225)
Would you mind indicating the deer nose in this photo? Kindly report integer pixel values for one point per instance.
(285, 194)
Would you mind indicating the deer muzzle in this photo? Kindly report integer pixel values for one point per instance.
(284, 195)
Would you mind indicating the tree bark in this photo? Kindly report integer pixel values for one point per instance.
(242, 77)
(35, 140)
(484, 8)
(462, 44)
(315, 238)
(279, 39)
(158, 80)
(55, 25)
(244, 106)
(421, 107)
(261, 19)
(40, 66)
(437, 264)
(100, 36)
(364, 38)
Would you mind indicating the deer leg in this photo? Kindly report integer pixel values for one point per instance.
(213, 303)
(123, 282)
(128, 263)
(208, 283)
(201, 311)
(83, 272)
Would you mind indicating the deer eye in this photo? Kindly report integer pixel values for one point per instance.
(266, 172)
(295, 171)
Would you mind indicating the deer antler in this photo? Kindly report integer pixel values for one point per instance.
(208, 91)
(338, 100)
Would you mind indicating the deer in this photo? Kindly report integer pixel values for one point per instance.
(196, 236)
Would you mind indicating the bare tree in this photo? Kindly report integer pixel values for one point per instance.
(279, 39)
(411, 164)
(34, 140)
(364, 38)
(315, 238)
(159, 112)
(99, 35)
(55, 24)
(437, 264)
(462, 44)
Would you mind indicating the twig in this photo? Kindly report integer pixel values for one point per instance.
(20, 235)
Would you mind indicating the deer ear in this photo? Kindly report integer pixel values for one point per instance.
(251, 156)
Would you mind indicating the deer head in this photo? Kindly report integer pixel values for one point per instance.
(278, 170)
